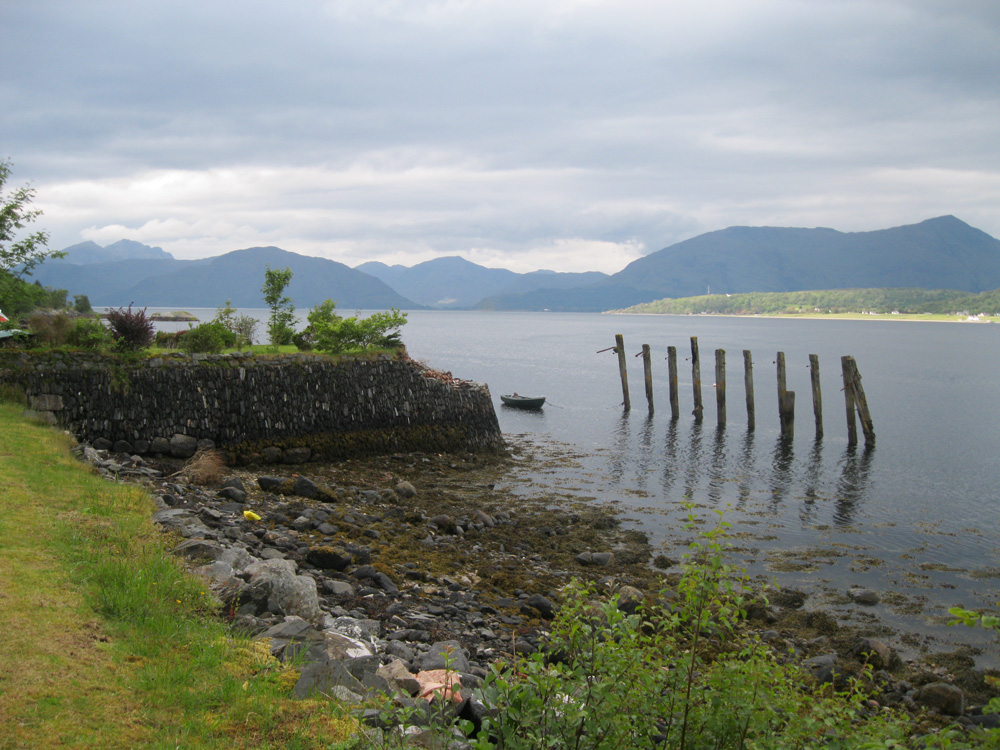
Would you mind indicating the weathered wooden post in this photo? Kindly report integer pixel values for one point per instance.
(852, 425)
(786, 408)
(696, 379)
(861, 403)
(720, 385)
(620, 349)
(675, 409)
(647, 367)
(817, 394)
(748, 382)
(786, 402)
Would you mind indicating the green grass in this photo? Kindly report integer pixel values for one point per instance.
(108, 642)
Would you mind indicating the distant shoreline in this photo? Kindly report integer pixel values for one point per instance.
(909, 318)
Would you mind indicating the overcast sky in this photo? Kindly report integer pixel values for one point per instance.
(563, 134)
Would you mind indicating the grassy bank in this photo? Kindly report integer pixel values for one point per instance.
(108, 643)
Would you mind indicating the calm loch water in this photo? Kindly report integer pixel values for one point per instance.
(915, 518)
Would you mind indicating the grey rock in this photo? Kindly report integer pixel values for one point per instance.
(199, 549)
(234, 482)
(942, 697)
(445, 655)
(270, 484)
(328, 558)
(406, 489)
(601, 559)
(184, 522)
(542, 604)
(878, 654)
(305, 488)
(295, 455)
(159, 445)
(122, 446)
(293, 594)
(234, 494)
(340, 589)
(271, 454)
(863, 596)
(400, 678)
(183, 446)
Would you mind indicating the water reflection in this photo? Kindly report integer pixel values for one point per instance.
(670, 469)
(692, 475)
(853, 484)
(813, 477)
(718, 467)
(717, 471)
(781, 469)
(745, 469)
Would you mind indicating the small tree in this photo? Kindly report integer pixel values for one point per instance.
(18, 258)
(279, 328)
(243, 327)
(81, 303)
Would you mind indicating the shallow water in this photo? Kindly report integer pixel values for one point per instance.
(913, 518)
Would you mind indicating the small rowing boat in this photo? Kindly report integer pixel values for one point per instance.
(523, 402)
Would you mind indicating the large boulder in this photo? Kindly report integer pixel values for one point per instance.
(285, 592)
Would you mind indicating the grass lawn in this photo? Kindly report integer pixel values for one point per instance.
(108, 643)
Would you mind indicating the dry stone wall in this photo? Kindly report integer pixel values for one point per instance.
(274, 408)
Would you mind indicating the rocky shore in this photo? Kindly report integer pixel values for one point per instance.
(379, 573)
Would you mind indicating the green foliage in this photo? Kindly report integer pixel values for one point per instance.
(89, 333)
(131, 330)
(209, 338)
(243, 327)
(328, 332)
(50, 330)
(81, 303)
(679, 675)
(18, 257)
(883, 301)
(279, 328)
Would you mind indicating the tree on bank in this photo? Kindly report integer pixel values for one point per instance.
(328, 332)
(279, 327)
(18, 258)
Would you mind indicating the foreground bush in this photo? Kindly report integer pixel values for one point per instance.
(89, 333)
(131, 330)
(680, 673)
(209, 338)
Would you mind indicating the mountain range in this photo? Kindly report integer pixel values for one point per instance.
(940, 253)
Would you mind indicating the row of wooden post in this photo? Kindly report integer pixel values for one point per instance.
(854, 394)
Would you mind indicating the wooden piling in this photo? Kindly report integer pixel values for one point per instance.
(720, 385)
(861, 403)
(696, 379)
(748, 383)
(620, 349)
(817, 393)
(786, 402)
(647, 367)
(852, 425)
(675, 408)
(786, 409)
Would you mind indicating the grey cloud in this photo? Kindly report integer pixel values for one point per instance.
(632, 120)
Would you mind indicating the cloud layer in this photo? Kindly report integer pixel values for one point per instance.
(564, 134)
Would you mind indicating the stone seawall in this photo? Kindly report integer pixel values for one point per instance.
(255, 408)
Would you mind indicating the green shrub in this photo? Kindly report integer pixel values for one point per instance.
(331, 333)
(131, 330)
(685, 674)
(89, 333)
(50, 330)
(168, 340)
(209, 338)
